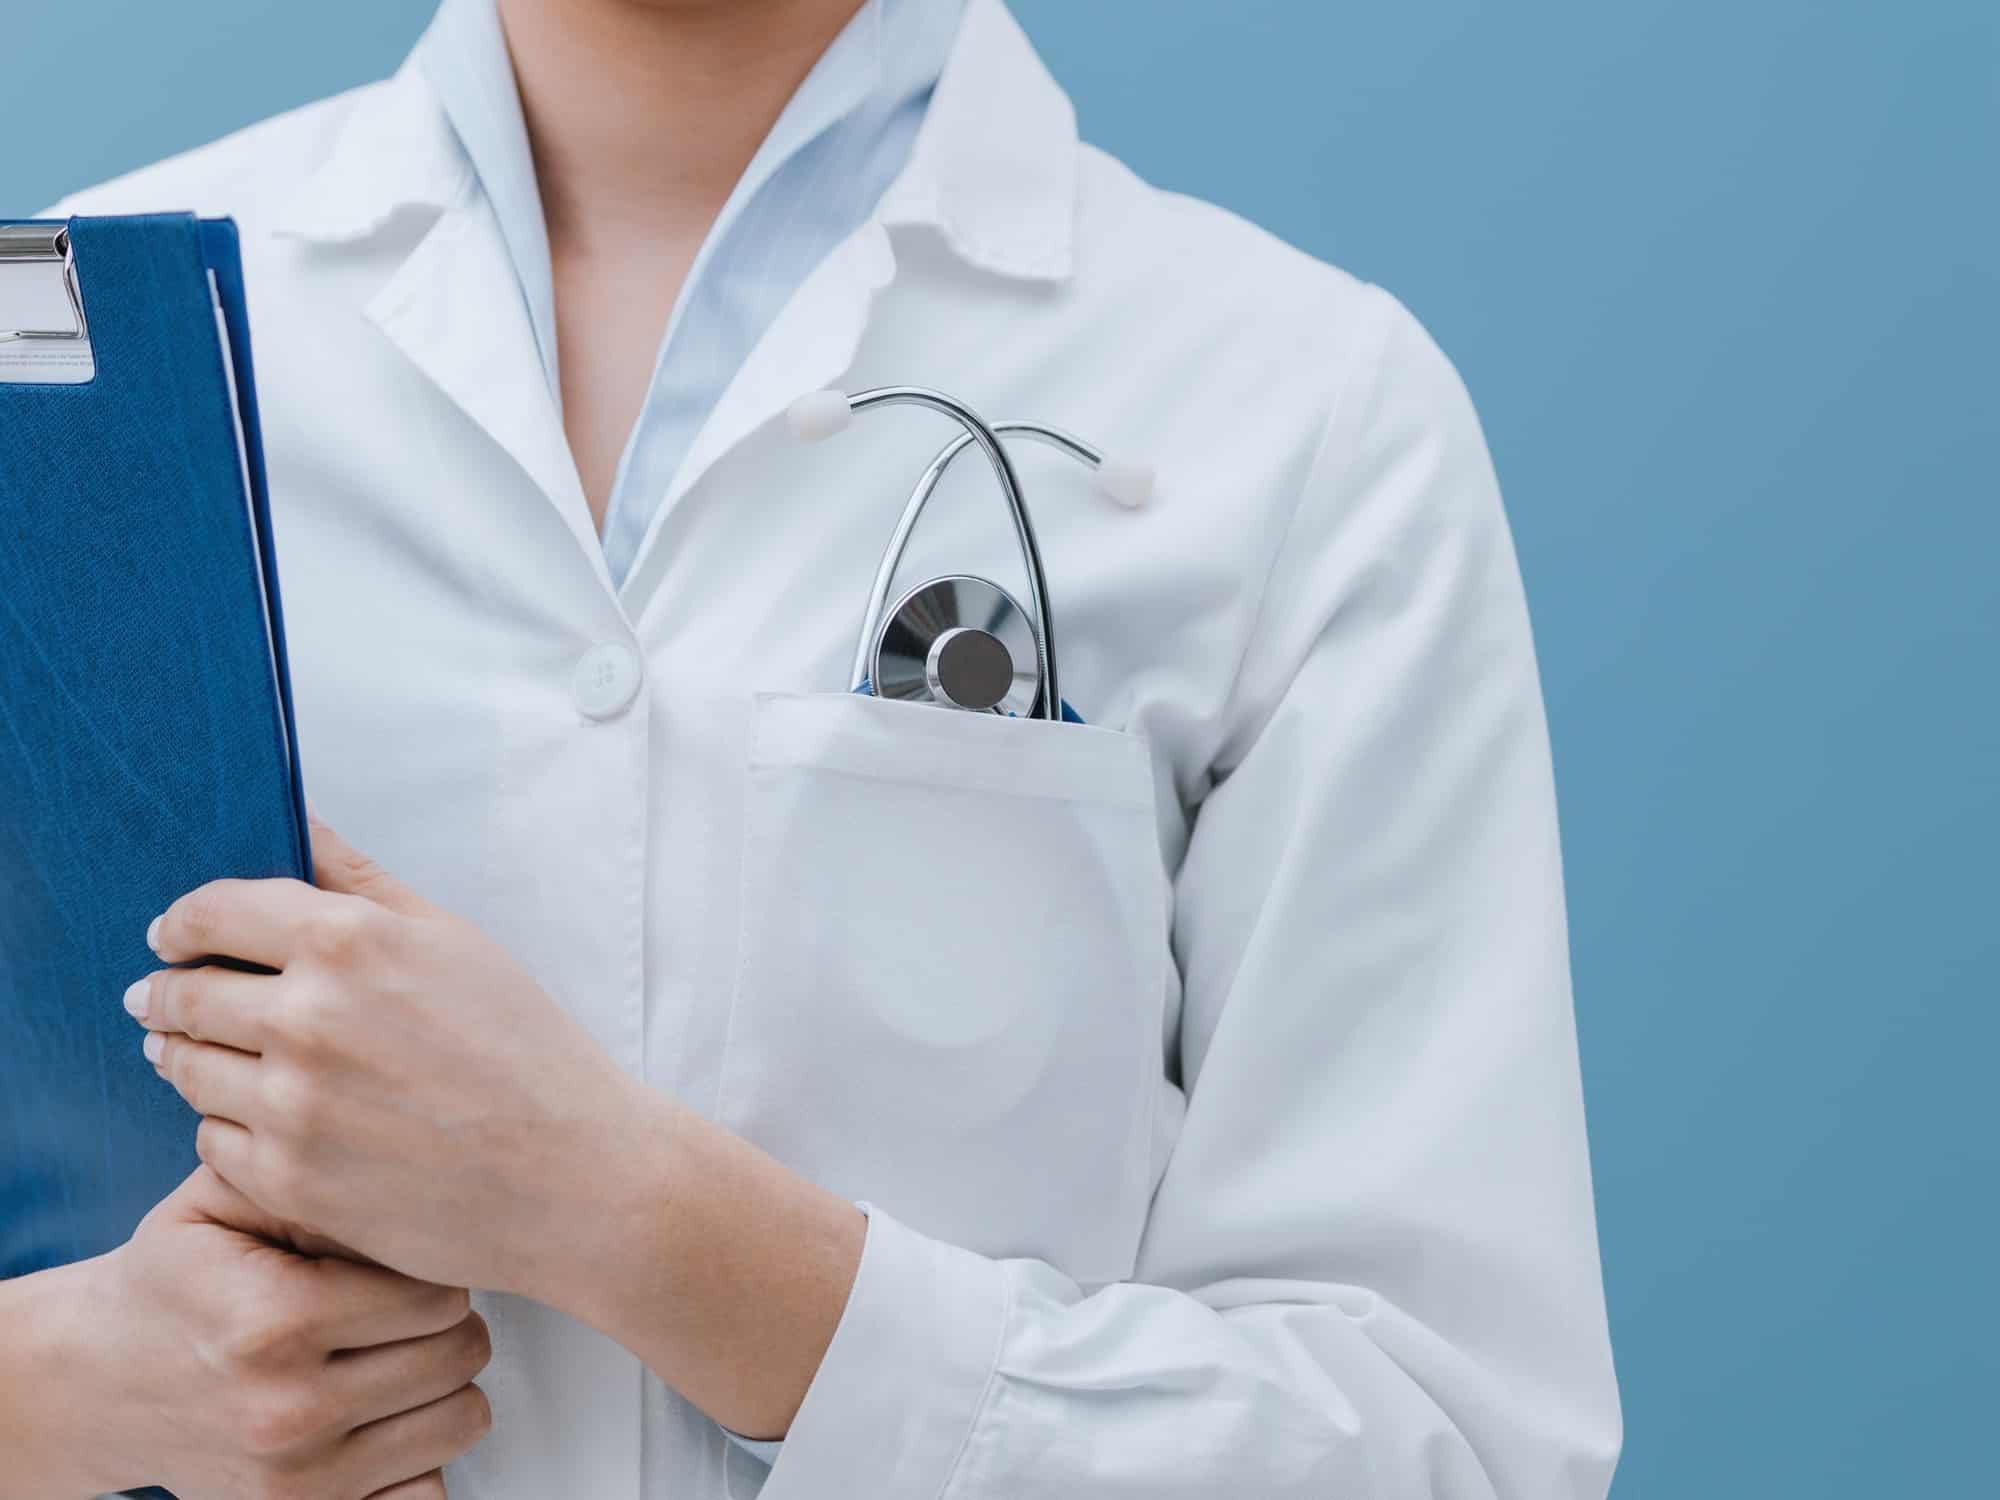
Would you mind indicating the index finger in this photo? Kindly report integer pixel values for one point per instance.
(256, 920)
(206, 1002)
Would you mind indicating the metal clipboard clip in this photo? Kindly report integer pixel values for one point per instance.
(45, 243)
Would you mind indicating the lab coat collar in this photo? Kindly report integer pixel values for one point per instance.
(393, 151)
(994, 168)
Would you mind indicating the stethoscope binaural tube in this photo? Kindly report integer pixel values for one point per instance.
(823, 413)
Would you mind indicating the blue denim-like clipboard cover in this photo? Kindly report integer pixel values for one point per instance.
(143, 745)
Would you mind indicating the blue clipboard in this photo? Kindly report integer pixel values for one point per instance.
(146, 729)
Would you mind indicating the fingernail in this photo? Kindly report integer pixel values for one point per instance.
(152, 934)
(153, 1046)
(138, 997)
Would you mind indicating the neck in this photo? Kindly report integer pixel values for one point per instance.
(643, 114)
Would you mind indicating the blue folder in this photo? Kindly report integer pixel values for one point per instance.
(146, 737)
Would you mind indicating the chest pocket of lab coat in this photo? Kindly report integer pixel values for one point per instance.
(950, 971)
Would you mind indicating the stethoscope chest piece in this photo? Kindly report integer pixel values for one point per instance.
(958, 642)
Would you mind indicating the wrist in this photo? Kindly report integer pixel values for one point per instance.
(722, 1269)
(55, 1389)
(595, 1229)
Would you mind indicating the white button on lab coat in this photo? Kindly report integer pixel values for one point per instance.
(606, 679)
(1209, 1070)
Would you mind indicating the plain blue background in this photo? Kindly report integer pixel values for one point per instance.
(1722, 279)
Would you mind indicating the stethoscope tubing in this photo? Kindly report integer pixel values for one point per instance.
(976, 431)
(913, 509)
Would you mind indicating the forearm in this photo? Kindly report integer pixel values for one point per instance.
(724, 1271)
(47, 1408)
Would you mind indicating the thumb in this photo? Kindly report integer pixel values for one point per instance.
(339, 866)
(209, 1198)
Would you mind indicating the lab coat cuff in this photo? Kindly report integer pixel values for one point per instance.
(902, 1383)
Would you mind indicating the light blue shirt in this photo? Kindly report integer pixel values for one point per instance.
(842, 140)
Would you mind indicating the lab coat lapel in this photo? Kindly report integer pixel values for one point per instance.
(808, 347)
(455, 311)
(453, 307)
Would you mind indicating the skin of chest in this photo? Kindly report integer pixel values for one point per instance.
(613, 297)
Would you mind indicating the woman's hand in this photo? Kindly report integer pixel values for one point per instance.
(202, 1356)
(400, 1085)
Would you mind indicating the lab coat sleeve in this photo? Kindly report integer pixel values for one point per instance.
(1371, 1266)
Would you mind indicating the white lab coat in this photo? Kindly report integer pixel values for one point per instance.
(1210, 1070)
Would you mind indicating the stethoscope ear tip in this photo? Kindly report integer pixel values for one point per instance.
(819, 415)
(1126, 480)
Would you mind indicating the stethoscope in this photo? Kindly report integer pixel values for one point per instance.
(961, 641)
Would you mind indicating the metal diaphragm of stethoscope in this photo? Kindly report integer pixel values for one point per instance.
(959, 640)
